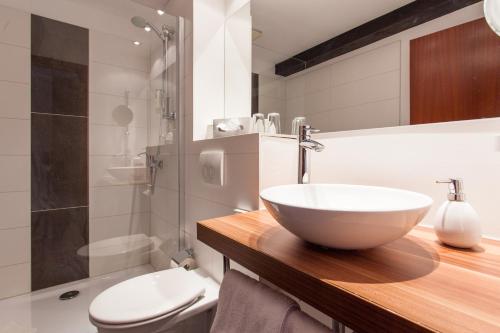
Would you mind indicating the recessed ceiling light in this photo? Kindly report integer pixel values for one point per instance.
(160, 12)
(137, 43)
(147, 28)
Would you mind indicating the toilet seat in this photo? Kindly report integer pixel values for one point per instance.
(125, 326)
(146, 298)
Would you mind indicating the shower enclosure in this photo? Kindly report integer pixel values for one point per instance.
(105, 139)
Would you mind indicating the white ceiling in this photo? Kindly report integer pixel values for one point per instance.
(155, 4)
(292, 26)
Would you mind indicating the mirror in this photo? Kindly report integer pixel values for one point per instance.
(347, 65)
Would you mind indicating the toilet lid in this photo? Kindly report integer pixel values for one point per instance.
(146, 297)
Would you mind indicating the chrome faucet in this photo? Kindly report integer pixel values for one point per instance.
(305, 145)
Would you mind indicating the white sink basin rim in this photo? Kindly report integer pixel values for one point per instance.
(346, 216)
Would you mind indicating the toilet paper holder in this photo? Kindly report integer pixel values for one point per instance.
(184, 259)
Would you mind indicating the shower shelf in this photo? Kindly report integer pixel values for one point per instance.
(129, 174)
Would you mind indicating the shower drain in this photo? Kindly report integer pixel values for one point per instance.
(69, 295)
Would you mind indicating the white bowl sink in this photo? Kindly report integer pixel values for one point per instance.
(346, 216)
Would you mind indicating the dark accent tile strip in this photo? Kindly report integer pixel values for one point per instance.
(403, 18)
(255, 93)
(58, 247)
(58, 40)
(58, 87)
(59, 162)
(59, 153)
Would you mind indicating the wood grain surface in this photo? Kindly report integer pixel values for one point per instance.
(455, 74)
(413, 284)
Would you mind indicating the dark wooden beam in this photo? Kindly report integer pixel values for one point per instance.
(403, 18)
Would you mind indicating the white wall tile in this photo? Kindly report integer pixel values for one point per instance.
(240, 144)
(113, 140)
(381, 60)
(270, 104)
(376, 114)
(240, 188)
(317, 80)
(208, 64)
(15, 27)
(105, 110)
(206, 257)
(117, 200)
(295, 107)
(98, 174)
(413, 157)
(14, 140)
(198, 209)
(119, 225)
(277, 161)
(165, 235)
(15, 246)
(317, 101)
(113, 80)
(271, 87)
(238, 63)
(165, 204)
(374, 88)
(15, 207)
(15, 137)
(15, 175)
(164, 229)
(15, 280)
(118, 51)
(15, 65)
(295, 87)
(23, 5)
(168, 176)
(338, 96)
(14, 100)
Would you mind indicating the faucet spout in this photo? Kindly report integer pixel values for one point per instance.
(306, 144)
(312, 145)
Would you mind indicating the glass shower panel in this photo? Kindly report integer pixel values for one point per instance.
(135, 195)
(164, 146)
(102, 77)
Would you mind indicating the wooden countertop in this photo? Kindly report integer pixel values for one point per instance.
(411, 285)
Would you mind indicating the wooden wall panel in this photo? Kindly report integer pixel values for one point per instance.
(455, 74)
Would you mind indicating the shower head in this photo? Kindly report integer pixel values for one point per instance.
(139, 22)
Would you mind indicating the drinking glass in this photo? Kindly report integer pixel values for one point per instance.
(273, 123)
(297, 121)
(258, 123)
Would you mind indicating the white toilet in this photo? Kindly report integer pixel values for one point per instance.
(165, 301)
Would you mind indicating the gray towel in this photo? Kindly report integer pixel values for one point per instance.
(299, 322)
(247, 306)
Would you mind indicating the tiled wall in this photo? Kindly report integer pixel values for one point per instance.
(414, 157)
(117, 70)
(115, 66)
(15, 226)
(164, 203)
(201, 200)
(272, 97)
(365, 88)
(359, 92)
(165, 207)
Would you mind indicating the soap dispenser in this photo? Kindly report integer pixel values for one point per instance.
(457, 223)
